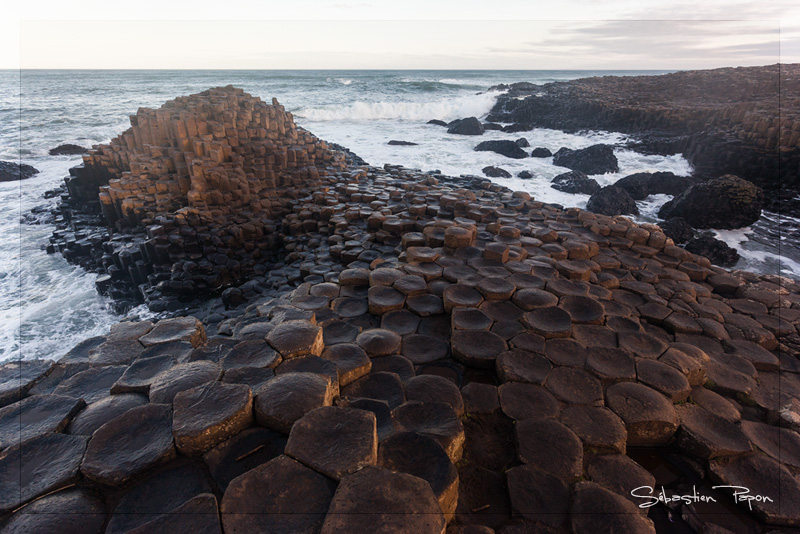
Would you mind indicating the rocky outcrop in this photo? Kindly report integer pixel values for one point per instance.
(642, 184)
(394, 142)
(11, 171)
(198, 187)
(724, 121)
(68, 149)
(575, 182)
(541, 152)
(495, 172)
(724, 202)
(509, 149)
(596, 159)
(612, 200)
(678, 229)
(468, 126)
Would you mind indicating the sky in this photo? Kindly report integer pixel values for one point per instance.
(412, 34)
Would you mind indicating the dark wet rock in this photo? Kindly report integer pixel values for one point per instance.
(335, 441)
(99, 413)
(724, 202)
(550, 446)
(480, 398)
(339, 332)
(782, 444)
(156, 495)
(356, 493)
(199, 515)
(37, 466)
(288, 397)
(525, 175)
(80, 352)
(14, 171)
(764, 476)
(564, 351)
(351, 360)
(583, 309)
(527, 401)
(140, 374)
(663, 378)
(619, 474)
(421, 349)
(495, 172)
(598, 428)
(395, 142)
(130, 444)
(678, 229)
(423, 457)
(379, 342)
(281, 496)
(36, 415)
(116, 352)
(432, 388)
(522, 366)
(506, 148)
(705, 436)
(18, 377)
(73, 510)
(596, 159)
(296, 338)
(492, 126)
(541, 152)
(252, 353)
(538, 496)
(68, 149)
(209, 414)
(468, 126)
(649, 417)
(595, 509)
(437, 122)
(181, 377)
(378, 385)
(477, 348)
(233, 297)
(241, 453)
(521, 142)
(575, 386)
(575, 182)
(715, 250)
(479, 487)
(612, 200)
(549, 322)
(186, 329)
(312, 364)
(436, 420)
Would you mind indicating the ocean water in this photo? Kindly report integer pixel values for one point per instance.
(47, 305)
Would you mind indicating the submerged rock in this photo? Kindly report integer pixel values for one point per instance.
(507, 148)
(394, 142)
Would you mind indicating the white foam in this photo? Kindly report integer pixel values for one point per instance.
(444, 109)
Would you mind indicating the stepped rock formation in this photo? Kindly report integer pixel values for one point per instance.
(743, 121)
(438, 354)
(206, 175)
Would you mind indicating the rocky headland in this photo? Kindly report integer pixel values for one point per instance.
(742, 121)
(419, 353)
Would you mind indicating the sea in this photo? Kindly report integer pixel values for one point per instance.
(47, 305)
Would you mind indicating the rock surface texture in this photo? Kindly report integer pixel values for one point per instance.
(437, 353)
